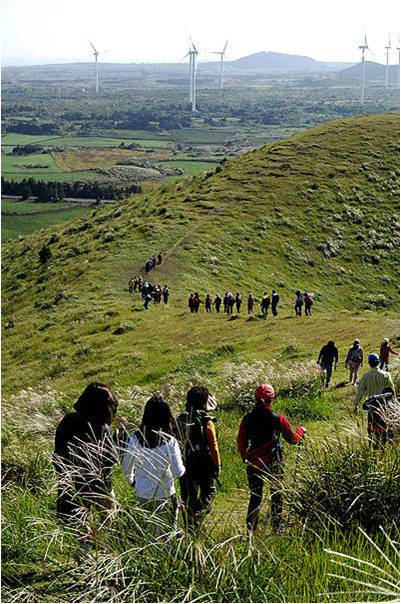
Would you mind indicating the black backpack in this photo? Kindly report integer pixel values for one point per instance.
(198, 458)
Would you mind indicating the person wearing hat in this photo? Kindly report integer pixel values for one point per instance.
(385, 350)
(354, 361)
(258, 443)
(373, 381)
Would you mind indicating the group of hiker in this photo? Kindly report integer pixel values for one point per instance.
(153, 261)
(230, 302)
(305, 300)
(328, 359)
(163, 448)
(148, 291)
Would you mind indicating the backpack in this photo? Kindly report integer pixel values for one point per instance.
(198, 458)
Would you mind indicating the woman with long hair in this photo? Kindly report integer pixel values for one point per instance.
(84, 455)
(151, 462)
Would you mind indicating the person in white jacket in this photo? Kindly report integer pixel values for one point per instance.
(151, 462)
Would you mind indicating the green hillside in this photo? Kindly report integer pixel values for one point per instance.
(318, 211)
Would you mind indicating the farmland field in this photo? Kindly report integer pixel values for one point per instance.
(13, 226)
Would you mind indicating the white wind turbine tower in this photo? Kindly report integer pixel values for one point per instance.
(221, 53)
(363, 47)
(387, 49)
(193, 53)
(96, 54)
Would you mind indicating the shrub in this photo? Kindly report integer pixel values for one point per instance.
(344, 481)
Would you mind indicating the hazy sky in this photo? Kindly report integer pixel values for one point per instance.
(157, 30)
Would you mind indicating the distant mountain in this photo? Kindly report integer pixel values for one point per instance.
(277, 61)
(373, 71)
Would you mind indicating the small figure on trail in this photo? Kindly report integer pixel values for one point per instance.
(299, 302)
(154, 261)
(327, 356)
(354, 361)
(250, 303)
(166, 293)
(238, 301)
(151, 462)
(385, 350)
(84, 455)
(217, 303)
(157, 294)
(159, 258)
(147, 299)
(191, 304)
(275, 301)
(148, 265)
(196, 302)
(131, 285)
(208, 303)
(136, 283)
(264, 304)
(140, 284)
(202, 457)
(231, 302)
(308, 300)
(145, 289)
(258, 443)
(373, 382)
(225, 302)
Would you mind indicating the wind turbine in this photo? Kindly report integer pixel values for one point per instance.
(221, 53)
(387, 49)
(96, 54)
(363, 47)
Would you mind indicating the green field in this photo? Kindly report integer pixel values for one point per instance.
(14, 226)
(318, 212)
(29, 207)
(11, 140)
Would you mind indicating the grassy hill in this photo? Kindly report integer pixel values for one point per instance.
(317, 211)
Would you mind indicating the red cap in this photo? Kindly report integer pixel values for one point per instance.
(264, 392)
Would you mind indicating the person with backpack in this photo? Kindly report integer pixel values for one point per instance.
(250, 304)
(191, 305)
(380, 430)
(259, 445)
(217, 303)
(308, 300)
(264, 304)
(201, 455)
(354, 361)
(238, 302)
(208, 303)
(196, 302)
(385, 351)
(148, 298)
(327, 356)
(299, 302)
(131, 285)
(84, 455)
(275, 301)
(151, 462)
(166, 293)
(230, 303)
(159, 258)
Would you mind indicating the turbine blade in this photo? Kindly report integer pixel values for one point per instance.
(225, 46)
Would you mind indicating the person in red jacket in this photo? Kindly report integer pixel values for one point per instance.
(385, 350)
(258, 442)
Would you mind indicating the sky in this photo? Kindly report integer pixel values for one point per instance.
(53, 31)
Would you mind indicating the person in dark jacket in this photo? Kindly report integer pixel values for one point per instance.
(327, 356)
(258, 443)
(201, 455)
(275, 301)
(250, 304)
(84, 454)
(217, 303)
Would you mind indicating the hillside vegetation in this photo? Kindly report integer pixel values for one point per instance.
(317, 211)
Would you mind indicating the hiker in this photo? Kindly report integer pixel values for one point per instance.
(84, 455)
(217, 303)
(148, 265)
(374, 383)
(230, 303)
(151, 462)
(275, 301)
(208, 303)
(140, 285)
(264, 304)
(250, 303)
(196, 302)
(299, 302)
(379, 428)
(327, 356)
(225, 302)
(159, 258)
(202, 457)
(191, 303)
(308, 300)
(354, 361)
(258, 443)
(131, 285)
(147, 299)
(166, 293)
(136, 283)
(385, 350)
(238, 301)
